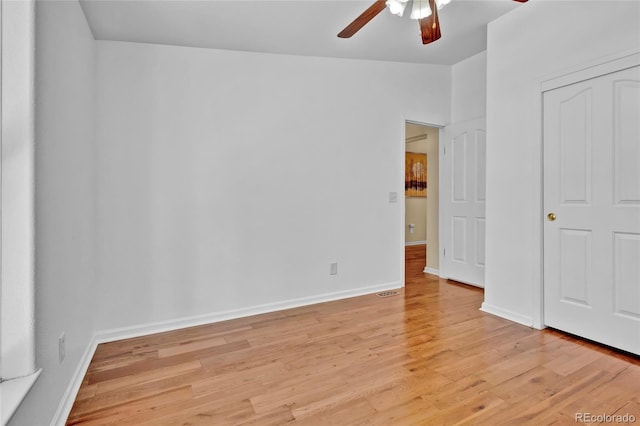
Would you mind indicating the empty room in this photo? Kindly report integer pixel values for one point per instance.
(320, 212)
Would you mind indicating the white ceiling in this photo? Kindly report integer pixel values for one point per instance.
(297, 27)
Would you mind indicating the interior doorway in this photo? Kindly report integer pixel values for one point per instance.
(422, 203)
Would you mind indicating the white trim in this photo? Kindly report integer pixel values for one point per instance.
(537, 256)
(431, 271)
(601, 66)
(13, 392)
(162, 326)
(443, 192)
(402, 149)
(69, 396)
(105, 336)
(415, 243)
(421, 123)
(507, 314)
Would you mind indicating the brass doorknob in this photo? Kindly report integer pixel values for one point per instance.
(551, 217)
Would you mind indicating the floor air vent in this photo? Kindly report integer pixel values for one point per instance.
(388, 293)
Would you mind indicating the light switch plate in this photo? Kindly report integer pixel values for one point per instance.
(393, 197)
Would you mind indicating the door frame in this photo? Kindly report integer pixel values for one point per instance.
(400, 185)
(604, 65)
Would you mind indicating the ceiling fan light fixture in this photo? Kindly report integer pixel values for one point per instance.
(397, 7)
(425, 11)
(420, 9)
(442, 3)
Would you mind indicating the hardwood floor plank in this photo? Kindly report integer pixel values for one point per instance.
(154, 364)
(124, 413)
(348, 412)
(118, 397)
(426, 356)
(190, 346)
(278, 416)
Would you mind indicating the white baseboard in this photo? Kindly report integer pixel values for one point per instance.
(507, 314)
(69, 396)
(415, 243)
(431, 271)
(105, 336)
(162, 326)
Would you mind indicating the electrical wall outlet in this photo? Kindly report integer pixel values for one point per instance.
(62, 350)
(333, 268)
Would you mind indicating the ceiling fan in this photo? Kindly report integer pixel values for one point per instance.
(425, 11)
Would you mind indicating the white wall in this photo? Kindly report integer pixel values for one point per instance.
(469, 88)
(64, 212)
(520, 56)
(228, 180)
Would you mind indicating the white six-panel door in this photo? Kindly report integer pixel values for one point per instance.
(464, 159)
(592, 209)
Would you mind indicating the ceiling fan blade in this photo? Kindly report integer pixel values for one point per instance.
(430, 26)
(362, 20)
(521, 1)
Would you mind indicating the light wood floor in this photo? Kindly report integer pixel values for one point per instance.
(425, 357)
